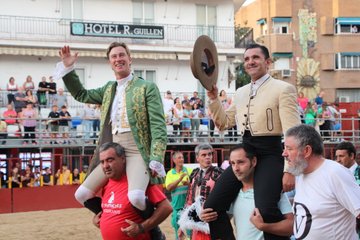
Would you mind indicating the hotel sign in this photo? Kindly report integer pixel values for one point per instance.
(116, 30)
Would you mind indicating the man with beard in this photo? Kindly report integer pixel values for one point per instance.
(327, 198)
(248, 220)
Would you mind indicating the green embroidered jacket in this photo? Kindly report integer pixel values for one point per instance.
(144, 111)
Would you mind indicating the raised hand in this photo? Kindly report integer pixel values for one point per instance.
(67, 57)
(213, 94)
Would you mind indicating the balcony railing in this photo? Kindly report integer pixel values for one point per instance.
(58, 30)
(80, 136)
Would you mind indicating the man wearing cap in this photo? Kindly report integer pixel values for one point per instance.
(131, 113)
(263, 110)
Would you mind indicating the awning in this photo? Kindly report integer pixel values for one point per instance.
(350, 53)
(282, 55)
(348, 20)
(261, 21)
(281, 19)
(51, 52)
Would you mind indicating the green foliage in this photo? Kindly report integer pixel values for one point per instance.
(240, 33)
(242, 78)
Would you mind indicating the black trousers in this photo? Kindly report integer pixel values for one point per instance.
(267, 188)
(212, 127)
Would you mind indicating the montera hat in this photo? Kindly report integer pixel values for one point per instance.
(204, 62)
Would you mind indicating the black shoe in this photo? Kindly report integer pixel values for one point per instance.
(93, 204)
(157, 234)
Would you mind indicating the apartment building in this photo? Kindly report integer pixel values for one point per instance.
(315, 44)
(160, 34)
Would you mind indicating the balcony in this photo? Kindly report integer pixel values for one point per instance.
(15, 30)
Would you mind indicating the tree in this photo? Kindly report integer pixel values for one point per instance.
(242, 78)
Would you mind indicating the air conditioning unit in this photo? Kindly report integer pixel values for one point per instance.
(344, 99)
(286, 73)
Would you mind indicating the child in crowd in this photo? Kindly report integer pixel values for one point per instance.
(64, 124)
(53, 124)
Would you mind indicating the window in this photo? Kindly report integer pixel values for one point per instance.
(263, 26)
(143, 12)
(348, 60)
(72, 9)
(281, 28)
(206, 20)
(149, 75)
(282, 63)
(349, 25)
(281, 25)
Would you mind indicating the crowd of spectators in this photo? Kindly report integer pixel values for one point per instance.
(33, 176)
(325, 117)
(24, 112)
(184, 115)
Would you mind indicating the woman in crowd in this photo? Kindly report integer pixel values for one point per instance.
(76, 176)
(29, 84)
(31, 98)
(11, 87)
(302, 100)
(28, 118)
(186, 122)
(15, 178)
(178, 114)
(310, 114)
(195, 116)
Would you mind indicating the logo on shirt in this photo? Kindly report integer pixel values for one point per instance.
(302, 221)
(112, 197)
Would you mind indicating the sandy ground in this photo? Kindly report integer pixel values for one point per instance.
(74, 224)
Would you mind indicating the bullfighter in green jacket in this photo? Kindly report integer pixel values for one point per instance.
(131, 114)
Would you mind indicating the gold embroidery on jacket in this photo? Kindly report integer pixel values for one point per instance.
(123, 115)
(141, 118)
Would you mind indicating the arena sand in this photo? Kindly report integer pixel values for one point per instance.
(65, 224)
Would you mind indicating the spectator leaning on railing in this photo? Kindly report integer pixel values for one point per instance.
(63, 175)
(47, 178)
(10, 115)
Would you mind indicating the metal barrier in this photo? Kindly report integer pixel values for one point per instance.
(78, 136)
(55, 29)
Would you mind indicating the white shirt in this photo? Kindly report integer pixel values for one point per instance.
(242, 209)
(326, 203)
(118, 109)
(256, 84)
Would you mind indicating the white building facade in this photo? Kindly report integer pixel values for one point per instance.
(160, 34)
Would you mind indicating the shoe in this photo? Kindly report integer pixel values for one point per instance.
(155, 233)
